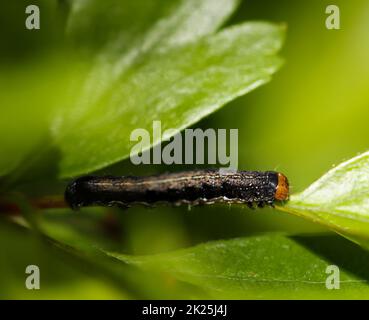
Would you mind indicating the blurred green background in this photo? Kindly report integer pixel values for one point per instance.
(312, 115)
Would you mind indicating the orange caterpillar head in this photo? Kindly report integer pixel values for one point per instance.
(282, 190)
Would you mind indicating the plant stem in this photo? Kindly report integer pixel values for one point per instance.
(47, 202)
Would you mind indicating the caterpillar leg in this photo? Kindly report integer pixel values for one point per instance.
(261, 204)
(119, 204)
(251, 205)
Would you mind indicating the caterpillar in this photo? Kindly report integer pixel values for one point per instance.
(191, 188)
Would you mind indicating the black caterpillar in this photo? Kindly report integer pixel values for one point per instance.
(191, 187)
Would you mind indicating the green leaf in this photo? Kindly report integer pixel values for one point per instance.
(54, 82)
(126, 64)
(270, 265)
(117, 27)
(179, 86)
(338, 200)
(86, 233)
(164, 64)
(265, 266)
(74, 268)
(63, 275)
